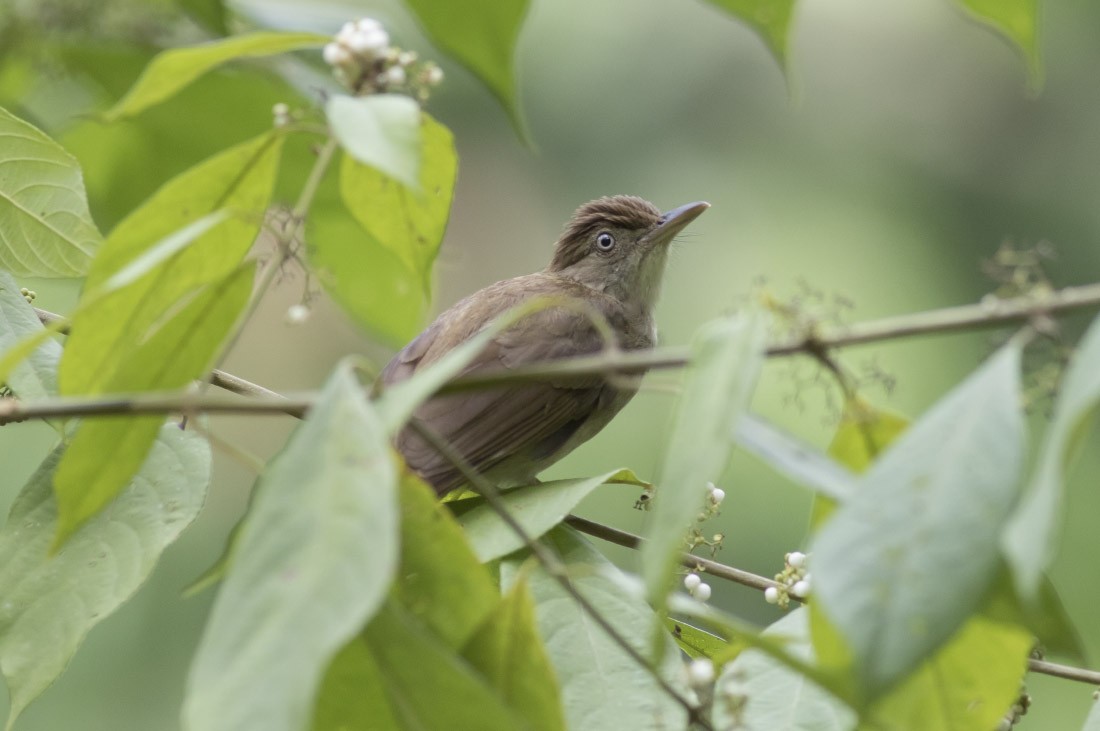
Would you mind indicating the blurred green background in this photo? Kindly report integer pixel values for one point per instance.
(901, 150)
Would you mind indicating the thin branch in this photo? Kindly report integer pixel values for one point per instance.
(171, 402)
(746, 578)
(550, 563)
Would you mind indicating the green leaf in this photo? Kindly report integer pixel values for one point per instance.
(1017, 21)
(771, 19)
(32, 371)
(382, 131)
(863, 433)
(442, 595)
(428, 686)
(365, 278)
(968, 684)
(537, 508)
(172, 70)
(1031, 540)
(50, 602)
(726, 358)
(779, 698)
(696, 642)
(106, 330)
(509, 653)
(313, 562)
(901, 565)
(47, 229)
(789, 456)
(442, 584)
(409, 222)
(105, 452)
(602, 687)
(482, 36)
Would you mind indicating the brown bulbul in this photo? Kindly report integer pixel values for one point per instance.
(610, 257)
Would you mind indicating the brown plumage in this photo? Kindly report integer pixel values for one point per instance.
(610, 257)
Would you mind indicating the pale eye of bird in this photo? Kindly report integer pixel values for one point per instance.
(605, 241)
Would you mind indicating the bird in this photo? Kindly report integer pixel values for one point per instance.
(609, 259)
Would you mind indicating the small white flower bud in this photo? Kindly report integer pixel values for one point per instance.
(433, 75)
(395, 76)
(297, 314)
(801, 588)
(692, 581)
(717, 495)
(367, 24)
(336, 55)
(771, 595)
(700, 672)
(702, 592)
(796, 559)
(406, 58)
(369, 43)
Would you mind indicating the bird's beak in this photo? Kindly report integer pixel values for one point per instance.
(674, 221)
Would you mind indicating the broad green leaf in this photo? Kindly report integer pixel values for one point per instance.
(105, 452)
(441, 583)
(696, 642)
(1031, 540)
(32, 371)
(726, 358)
(791, 457)
(441, 590)
(50, 602)
(369, 281)
(537, 508)
(864, 432)
(771, 19)
(172, 70)
(482, 36)
(408, 222)
(313, 562)
(900, 566)
(509, 653)
(968, 684)
(427, 684)
(164, 249)
(106, 330)
(777, 697)
(602, 687)
(1047, 619)
(46, 229)
(382, 131)
(1016, 20)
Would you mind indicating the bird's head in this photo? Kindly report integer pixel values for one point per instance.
(619, 245)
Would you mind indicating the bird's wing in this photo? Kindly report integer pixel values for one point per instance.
(530, 419)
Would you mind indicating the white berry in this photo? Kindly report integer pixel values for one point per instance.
(433, 75)
(701, 672)
(336, 55)
(771, 595)
(395, 75)
(801, 588)
(796, 559)
(702, 592)
(717, 495)
(367, 24)
(692, 581)
(370, 42)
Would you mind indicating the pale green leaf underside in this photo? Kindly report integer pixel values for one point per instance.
(35, 376)
(602, 687)
(382, 131)
(50, 602)
(172, 70)
(1031, 539)
(46, 229)
(901, 565)
(726, 358)
(537, 508)
(1092, 723)
(313, 561)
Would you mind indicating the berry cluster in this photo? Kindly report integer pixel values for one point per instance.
(697, 587)
(28, 294)
(793, 581)
(365, 62)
